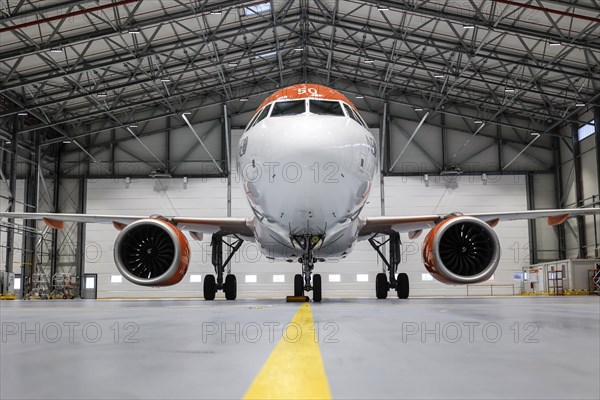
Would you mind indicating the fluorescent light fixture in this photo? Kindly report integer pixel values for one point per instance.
(418, 109)
(360, 96)
(233, 63)
(509, 90)
(439, 76)
(56, 50)
(187, 113)
(382, 8)
(468, 26)
(66, 141)
(102, 95)
(244, 99)
(22, 114)
(165, 80)
(265, 55)
(580, 105)
(216, 12)
(8, 142)
(133, 126)
(195, 278)
(478, 122)
(134, 31)
(369, 61)
(554, 44)
(299, 49)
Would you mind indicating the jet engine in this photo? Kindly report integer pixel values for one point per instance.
(461, 250)
(152, 252)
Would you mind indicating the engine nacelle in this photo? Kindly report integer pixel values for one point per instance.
(461, 250)
(152, 252)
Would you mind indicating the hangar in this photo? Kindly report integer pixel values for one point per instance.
(136, 107)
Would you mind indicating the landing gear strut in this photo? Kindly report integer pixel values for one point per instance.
(399, 283)
(307, 281)
(229, 284)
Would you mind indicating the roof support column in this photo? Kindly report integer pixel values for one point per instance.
(531, 224)
(28, 256)
(579, 190)
(559, 189)
(12, 187)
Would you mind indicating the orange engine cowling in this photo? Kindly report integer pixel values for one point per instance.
(461, 250)
(152, 252)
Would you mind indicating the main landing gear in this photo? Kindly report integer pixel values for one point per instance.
(307, 281)
(399, 283)
(212, 285)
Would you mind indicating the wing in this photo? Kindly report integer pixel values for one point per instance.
(415, 225)
(225, 226)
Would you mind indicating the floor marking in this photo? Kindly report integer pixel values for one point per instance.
(294, 369)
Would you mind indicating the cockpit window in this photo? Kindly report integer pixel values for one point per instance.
(354, 115)
(286, 108)
(323, 107)
(259, 117)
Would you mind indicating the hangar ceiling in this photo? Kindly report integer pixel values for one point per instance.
(96, 72)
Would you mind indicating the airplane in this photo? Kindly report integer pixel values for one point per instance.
(306, 161)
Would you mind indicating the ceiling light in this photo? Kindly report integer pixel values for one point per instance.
(233, 63)
(133, 126)
(8, 142)
(134, 31)
(360, 96)
(369, 61)
(102, 95)
(509, 90)
(580, 105)
(56, 50)
(165, 80)
(244, 99)
(554, 44)
(22, 114)
(299, 49)
(439, 76)
(268, 54)
(478, 122)
(216, 12)
(187, 113)
(382, 8)
(66, 141)
(418, 109)
(468, 26)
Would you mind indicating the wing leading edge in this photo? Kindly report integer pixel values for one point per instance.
(374, 225)
(225, 226)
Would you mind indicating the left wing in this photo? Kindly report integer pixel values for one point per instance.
(416, 224)
(225, 226)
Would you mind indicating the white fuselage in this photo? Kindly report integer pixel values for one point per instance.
(306, 174)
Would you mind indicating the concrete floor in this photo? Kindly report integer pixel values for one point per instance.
(514, 347)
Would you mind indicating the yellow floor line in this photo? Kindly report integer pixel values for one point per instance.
(294, 369)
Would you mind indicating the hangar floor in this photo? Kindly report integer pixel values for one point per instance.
(514, 347)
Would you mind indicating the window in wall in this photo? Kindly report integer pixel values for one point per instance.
(324, 107)
(586, 130)
(287, 108)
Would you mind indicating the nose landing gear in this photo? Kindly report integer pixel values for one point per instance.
(307, 281)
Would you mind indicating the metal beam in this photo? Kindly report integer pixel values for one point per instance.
(579, 190)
